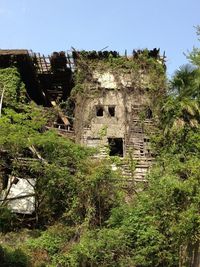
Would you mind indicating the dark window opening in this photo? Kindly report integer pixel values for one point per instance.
(149, 113)
(141, 152)
(99, 111)
(15, 181)
(111, 111)
(146, 140)
(116, 146)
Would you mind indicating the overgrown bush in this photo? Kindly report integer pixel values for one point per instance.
(105, 247)
(13, 258)
(7, 220)
(14, 88)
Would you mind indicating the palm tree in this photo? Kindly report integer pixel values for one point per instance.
(182, 107)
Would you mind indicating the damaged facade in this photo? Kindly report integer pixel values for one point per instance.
(114, 113)
(112, 110)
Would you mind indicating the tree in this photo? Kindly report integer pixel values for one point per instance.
(181, 107)
(194, 55)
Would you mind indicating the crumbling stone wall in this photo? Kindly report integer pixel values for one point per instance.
(127, 86)
(131, 121)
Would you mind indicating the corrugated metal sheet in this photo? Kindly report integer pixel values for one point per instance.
(20, 195)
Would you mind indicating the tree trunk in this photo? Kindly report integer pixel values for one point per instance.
(189, 255)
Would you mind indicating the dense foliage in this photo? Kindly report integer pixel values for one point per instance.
(13, 258)
(81, 218)
(161, 227)
(142, 71)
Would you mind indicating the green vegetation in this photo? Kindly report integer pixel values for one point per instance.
(194, 56)
(143, 70)
(81, 217)
(15, 91)
(13, 258)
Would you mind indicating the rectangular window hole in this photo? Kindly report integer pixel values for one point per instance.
(116, 146)
(111, 111)
(99, 111)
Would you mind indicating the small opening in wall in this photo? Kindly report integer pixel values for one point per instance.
(149, 113)
(99, 111)
(116, 146)
(15, 181)
(111, 111)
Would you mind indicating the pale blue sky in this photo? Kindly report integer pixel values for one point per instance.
(48, 25)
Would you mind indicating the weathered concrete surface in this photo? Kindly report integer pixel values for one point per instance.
(129, 121)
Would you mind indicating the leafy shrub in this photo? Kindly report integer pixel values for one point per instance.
(106, 248)
(13, 258)
(7, 220)
(15, 91)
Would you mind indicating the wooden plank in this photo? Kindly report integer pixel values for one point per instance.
(61, 115)
(5, 52)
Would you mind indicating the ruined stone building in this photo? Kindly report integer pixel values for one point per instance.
(114, 106)
(112, 100)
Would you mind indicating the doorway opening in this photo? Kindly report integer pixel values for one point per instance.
(116, 147)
